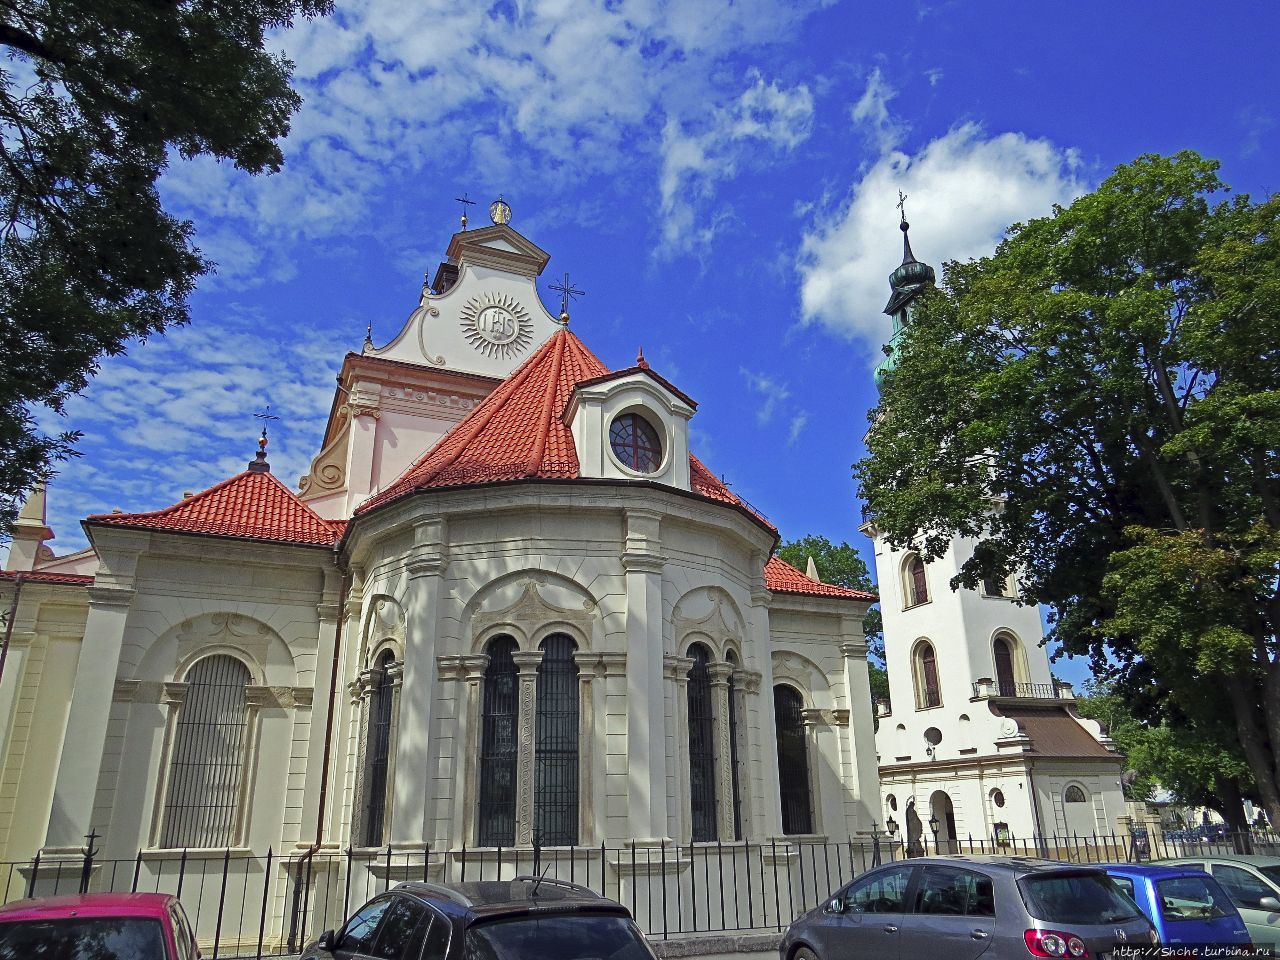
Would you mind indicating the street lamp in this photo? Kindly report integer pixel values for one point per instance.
(891, 825)
(933, 825)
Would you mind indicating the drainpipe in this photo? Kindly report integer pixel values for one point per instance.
(333, 695)
(8, 623)
(1035, 811)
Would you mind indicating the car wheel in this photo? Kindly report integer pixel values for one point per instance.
(804, 953)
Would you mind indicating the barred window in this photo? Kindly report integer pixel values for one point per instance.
(702, 751)
(734, 770)
(497, 820)
(555, 803)
(378, 753)
(203, 800)
(793, 760)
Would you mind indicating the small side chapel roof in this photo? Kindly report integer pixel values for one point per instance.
(249, 506)
(518, 431)
(782, 577)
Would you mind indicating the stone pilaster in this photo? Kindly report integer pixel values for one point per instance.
(861, 777)
(719, 674)
(527, 663)
(677, 671)
(646, 737)
(316, 714)
(769, 806)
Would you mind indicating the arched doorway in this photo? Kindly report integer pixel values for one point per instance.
(1006, 684)
(941, 811)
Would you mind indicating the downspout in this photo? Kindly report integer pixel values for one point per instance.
(8, 623)
(1035, 811)
(333, 695)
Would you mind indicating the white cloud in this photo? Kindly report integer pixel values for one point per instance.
(872, 111)
(558, 90)
(774, 392)
(696, 157)
(798, 423)
(964, 189)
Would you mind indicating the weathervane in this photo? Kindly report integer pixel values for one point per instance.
(466, 201)
(259, 464)
(567, 291)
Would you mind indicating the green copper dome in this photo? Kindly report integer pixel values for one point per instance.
(911, 272)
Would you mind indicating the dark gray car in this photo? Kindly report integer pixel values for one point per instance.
(962, 908)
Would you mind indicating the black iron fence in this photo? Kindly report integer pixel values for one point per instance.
(247, 905)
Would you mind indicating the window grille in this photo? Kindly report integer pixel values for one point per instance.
(555, 804)
(793, 761)
(378, 753)
(497, 820)
(203, 798)
(1075, 795)
(1005, 682)
(702, 751)
(733, 753)
(636, 443)
(929, 677)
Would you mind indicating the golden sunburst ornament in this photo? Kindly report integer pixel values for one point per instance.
(496, 325)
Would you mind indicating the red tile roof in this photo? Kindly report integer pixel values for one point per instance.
(55, 579)
(782, 577)
(249, 506)
(518, 432)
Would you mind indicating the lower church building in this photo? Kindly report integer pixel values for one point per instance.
(507, 606)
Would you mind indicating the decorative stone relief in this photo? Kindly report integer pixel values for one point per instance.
(721, 623)
(532, 611)
(420, 315)
(328, 470)
(251, 637)
(497, 325)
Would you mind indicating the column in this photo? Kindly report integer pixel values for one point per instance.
(469, 675)
(586, 664)
(818, 739)
(363, 403)
(327, 613)
(646, 740)
(677, 669)
(527, 663)
(744, 682)
(426, 564)
(720, 673)
(77, 782)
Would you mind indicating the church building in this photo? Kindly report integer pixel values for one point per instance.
(506, 606)
(978, 741)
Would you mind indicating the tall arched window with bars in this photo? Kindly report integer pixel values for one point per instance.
(793, 760)
(497, 802)
(734, 768)
(377, 753)
(702, 750)
(555, 803)
(202, 803)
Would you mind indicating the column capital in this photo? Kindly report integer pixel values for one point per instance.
(107, 596)
(527, 661)
(813, 717)
(175, 692)
(854, 649)
(677, 668)
(329, 611)
(720, 673)
(642, 561)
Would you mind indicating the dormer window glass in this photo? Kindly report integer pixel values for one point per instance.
(635, 443)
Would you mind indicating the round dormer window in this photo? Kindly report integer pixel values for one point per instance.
(635, 443)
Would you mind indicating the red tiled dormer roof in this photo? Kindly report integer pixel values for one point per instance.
(249, 506)
(53, 579)
(782, 577)
(518, 432)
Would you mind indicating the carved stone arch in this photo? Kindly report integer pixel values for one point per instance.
(712, 613)
(688, 641)
(530, 616)
(384, 620)
(500, 628)
(263, 651)
(806, 676)
(396, 648)
(257, 676)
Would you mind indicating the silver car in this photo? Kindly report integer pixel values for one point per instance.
(961, 908)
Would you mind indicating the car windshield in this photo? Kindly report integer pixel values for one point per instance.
(1192, 898)
(75, 938)
(1272, 873)
(571, 937)
(1084, 897)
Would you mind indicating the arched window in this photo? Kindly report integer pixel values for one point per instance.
(202, 804)
(793, 760)
(377, 752)
(732, 659)
(1074, 795)
(497, 821)
(635, 443)
(917, 586)
(928, 693)
(702, 748)
(555, 798)
(1006, 682)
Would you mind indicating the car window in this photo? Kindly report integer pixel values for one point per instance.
(181, 936)
(1271, 873)
(358, 934)
(1192, 898)
(565, 937)
(1245, 889)
(396, 932)
(951, 891)
(1075, 897)
(98, 938)
(436, 943)
(885, 892)
(1125, 885)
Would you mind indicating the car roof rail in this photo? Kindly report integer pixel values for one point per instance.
(439, 889)
(560, 883)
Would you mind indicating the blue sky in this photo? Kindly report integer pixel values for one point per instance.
(721, 178)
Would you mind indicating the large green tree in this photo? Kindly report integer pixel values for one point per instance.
(1099, 404)
(95, 95)
(842, 565)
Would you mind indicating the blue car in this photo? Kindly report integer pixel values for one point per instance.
(1184, 904)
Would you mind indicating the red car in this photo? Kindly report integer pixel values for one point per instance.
(97, 926)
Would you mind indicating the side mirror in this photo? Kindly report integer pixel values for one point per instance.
(1269, 903)
(328, 940)
(836, 906)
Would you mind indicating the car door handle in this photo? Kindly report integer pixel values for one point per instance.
(890, 928)
(979, 934)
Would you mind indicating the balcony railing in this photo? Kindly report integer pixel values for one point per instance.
(1057, 690)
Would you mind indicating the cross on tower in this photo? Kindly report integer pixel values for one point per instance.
(466, 201)
(567, 291)
(902, 210)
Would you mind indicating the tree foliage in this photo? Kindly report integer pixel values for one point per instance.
(842, 565)
(1110, 380)
(94, 96)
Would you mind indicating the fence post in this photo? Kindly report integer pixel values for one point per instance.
(266, 887)
(222, 900)
(87, 870)
(35, 869)
(182, 872)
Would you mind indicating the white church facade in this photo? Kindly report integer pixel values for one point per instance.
(978, 741)
(506, 607)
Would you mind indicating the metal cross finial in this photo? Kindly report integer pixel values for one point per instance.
(466, 201)
(902, 210)
(567, 291)
(265, 416)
